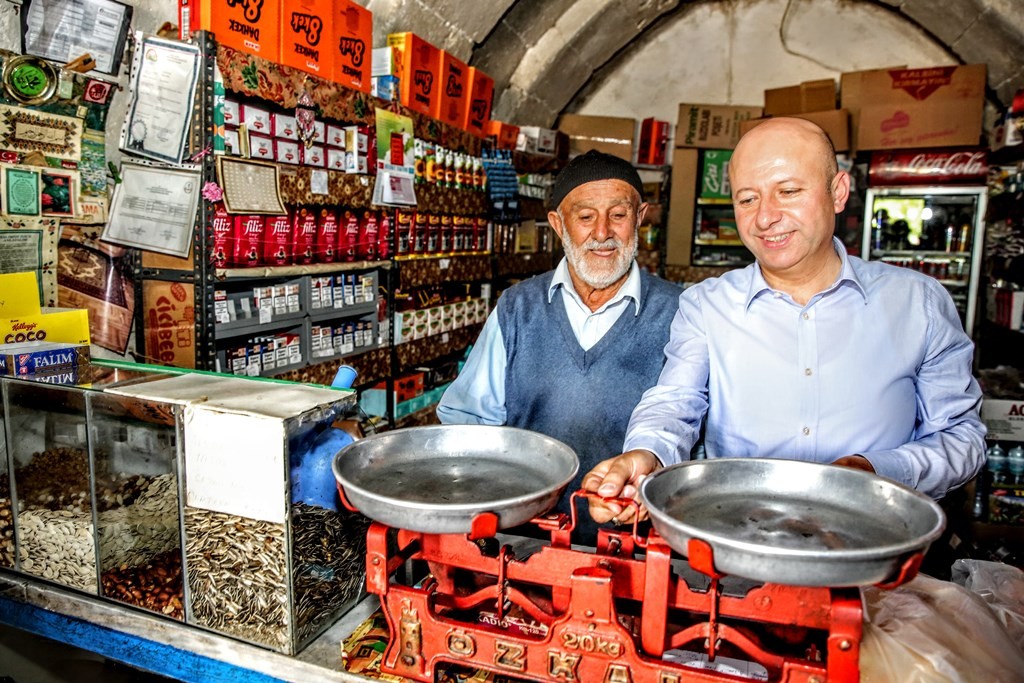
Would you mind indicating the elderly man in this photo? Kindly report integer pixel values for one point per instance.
(809, 353)
(569, 353)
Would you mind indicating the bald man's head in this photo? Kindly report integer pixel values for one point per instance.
(796, 131)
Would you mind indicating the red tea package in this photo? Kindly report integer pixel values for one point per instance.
(248, 245)
(433, 233)
(303, 236)
(348, 235)
(223, 237)
(366, 250)
(277, 241)
(447, 240)
(404, 227)
(326, 236)
(384, 235)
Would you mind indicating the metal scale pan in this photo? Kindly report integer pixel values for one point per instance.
(792, 522)
(437, 479)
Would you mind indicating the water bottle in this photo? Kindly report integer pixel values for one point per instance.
(1015, 465)
(997, 464)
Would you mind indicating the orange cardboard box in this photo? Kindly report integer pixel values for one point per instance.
(352, 44)
(478, 101)
(419, 69)
(450, 105)
(505, 134)
(306, 36)
(253, 27)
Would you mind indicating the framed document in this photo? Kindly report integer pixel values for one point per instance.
(250, 186)
(164, 78)
(20, 191)
(154, 208)
(62, 30)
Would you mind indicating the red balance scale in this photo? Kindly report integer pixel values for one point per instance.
(454, 590)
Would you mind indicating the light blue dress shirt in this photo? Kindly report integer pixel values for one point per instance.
(477, 396)
(877, 365)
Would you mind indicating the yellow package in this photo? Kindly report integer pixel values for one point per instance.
(19, 294)
(69, 325)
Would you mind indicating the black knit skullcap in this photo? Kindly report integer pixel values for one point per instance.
(586, 168)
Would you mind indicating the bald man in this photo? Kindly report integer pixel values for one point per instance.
(808, 353)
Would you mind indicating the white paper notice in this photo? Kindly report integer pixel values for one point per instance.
(235, 464)
(154, 209)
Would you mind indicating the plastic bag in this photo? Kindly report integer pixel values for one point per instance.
(937, 631)
(1002, 587)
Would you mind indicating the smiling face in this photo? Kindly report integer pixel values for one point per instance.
(786, 193)
(598, 223)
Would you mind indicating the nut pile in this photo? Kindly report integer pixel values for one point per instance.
(236, 576)
(138, 518)
(155, 586)
(56, 479)
(133, 533)
(58, 545)
(6, 528)
(328, 565)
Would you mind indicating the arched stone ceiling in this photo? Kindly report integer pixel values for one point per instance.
(543, 53)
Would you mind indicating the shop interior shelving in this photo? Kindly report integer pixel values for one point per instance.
(197, 277)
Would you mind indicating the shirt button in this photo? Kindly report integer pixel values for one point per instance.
(808, 372)
(807, 316)
(807, 431)
(778, 295)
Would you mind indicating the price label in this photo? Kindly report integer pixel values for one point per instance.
(443, 263)
(266, 314)
(318, 181)
(444, 338)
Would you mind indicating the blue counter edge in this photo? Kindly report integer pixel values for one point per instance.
(149, 655)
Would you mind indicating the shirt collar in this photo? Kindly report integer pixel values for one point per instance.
(630, 288)
(847, 276)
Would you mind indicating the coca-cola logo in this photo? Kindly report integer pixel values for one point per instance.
(959, 163)
(930, 166)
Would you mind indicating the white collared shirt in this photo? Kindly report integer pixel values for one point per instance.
(477, 396)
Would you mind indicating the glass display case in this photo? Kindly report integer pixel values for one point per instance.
(134, 445)
(49, 452)
(269, 557)
(7, 547)
(49, 466)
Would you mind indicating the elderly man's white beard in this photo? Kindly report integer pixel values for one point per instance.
(600, 277)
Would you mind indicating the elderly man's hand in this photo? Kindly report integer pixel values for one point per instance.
(619, 477)
(857, 462)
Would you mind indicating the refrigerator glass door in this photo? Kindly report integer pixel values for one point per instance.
(935, 230)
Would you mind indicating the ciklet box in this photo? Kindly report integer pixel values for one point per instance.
(32, 357)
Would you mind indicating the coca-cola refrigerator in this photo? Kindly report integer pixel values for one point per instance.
(925, 209)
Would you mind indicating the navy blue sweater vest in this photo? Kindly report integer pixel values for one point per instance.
(582, 398)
